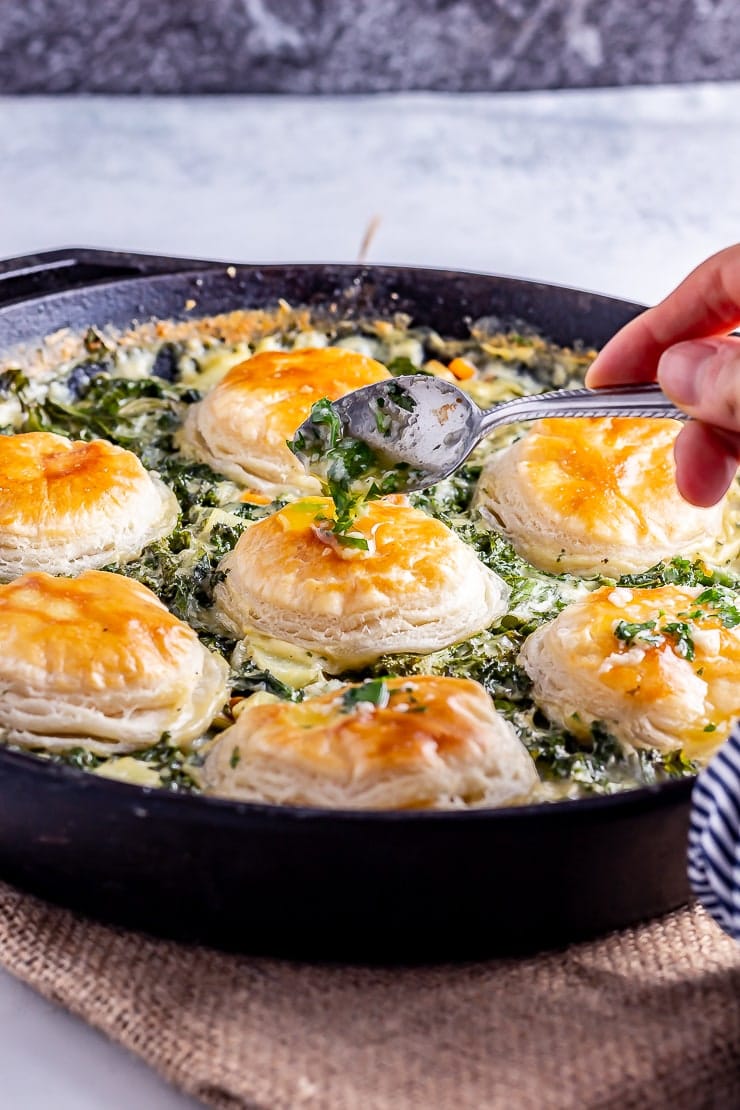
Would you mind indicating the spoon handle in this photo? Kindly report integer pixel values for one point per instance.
(622, 400)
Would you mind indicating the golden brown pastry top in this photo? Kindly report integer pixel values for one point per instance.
(648, 675)
(659, 666)
(589, 469)
(406, 549)
(241, 427)
(417, 588)
(291, 381)
(596, 495)
(391, 743)
(46, 479)
(443, 713)
(97, 632)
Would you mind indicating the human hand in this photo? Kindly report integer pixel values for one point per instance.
(683, 343)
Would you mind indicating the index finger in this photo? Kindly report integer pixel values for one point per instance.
(706, 303)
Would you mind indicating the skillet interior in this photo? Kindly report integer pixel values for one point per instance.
(310, 882)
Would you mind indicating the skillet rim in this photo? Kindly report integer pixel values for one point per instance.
(196, 272)
(203, 270)
(638, 798)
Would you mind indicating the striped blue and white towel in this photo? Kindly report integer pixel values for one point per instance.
(714, 837)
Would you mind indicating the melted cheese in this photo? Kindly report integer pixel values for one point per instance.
(646, 687)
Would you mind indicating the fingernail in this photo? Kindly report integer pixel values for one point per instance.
(681, 368)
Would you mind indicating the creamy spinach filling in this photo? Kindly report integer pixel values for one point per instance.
(137, 396)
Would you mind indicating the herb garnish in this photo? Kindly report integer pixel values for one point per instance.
(680, 572)
(350, 471)
(375, 692)
(628, 632)
(648, 632)
(723, 601)
(683, 642)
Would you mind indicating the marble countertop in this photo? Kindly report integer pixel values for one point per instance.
(621, 191)
(617, 190)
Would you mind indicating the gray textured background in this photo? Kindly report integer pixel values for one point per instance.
(173, 46)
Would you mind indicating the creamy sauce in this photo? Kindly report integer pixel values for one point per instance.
(135, 390)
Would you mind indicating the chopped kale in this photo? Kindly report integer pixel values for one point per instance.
(400, 396)
(600, 764)
(249, 679)
(349, 470)
(80, 758)
(184, 584)
(108, 409)
(680, 572)
(94, 398)
(383, 422)
(674, 763)
(171, 763)
(324, 415)
(402, 365)
(13, 381)
(450, 499)
(193, 484)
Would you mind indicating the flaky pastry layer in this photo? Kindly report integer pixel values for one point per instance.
(67, 505)
(596, 496)
(97, 661)
(240, 428)
(425, 742)
(417, 589)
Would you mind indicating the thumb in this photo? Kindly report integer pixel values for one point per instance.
(706, 462)
(702, 377)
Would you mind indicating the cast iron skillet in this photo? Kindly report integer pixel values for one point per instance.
(303, 881)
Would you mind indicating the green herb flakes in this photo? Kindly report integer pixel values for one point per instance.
(375, 692)
(645, 632)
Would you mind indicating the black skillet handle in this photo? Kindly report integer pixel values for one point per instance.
(37, 275)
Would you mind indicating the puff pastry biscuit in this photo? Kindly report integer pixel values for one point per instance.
(418, 588)
(240, 428)
(660, 667)
(418, 742)
(595, 496)
(98, 661)
(66, 505)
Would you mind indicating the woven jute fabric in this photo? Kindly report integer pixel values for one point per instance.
(645, 1018)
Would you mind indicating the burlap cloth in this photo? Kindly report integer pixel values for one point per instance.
(649, 1017)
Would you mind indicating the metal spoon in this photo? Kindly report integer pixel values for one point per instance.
(427, 427)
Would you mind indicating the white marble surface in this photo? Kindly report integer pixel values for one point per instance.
(50, 1060)
(617, 190)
